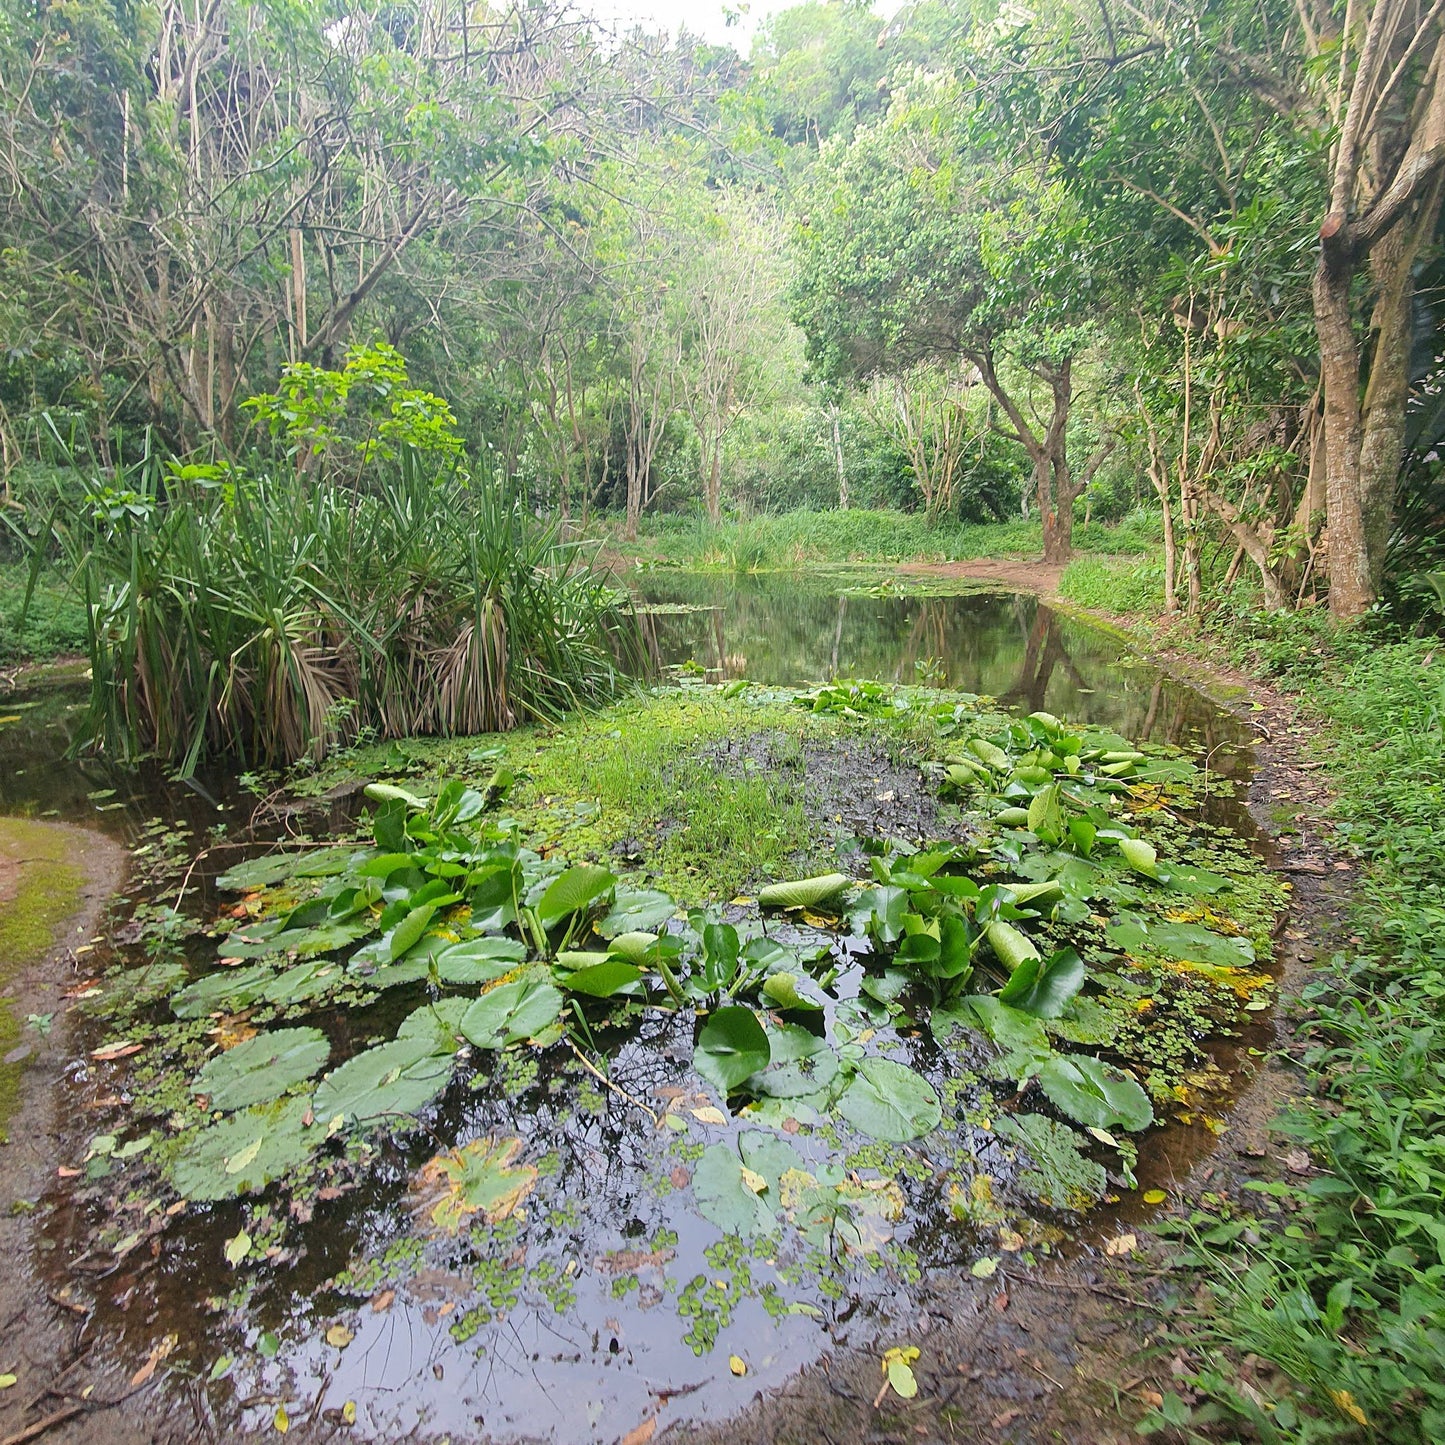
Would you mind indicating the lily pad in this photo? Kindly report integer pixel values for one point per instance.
(574, 891)
(246, 1152)
(636, 910)
(440, 1023)
(262, 1068)
(731, 1048)
(724, 1195)
(1062, 1177)
(511, 1012)
(479, 960)
(227, 989)
(1094, 1093)
(390, 1080)
(890, 1101)
(278, 867)
(477, 1179)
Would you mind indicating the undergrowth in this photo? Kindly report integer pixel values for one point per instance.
(1338, 1281)
(53, 626)
(781, 540)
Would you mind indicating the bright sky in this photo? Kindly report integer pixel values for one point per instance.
(702, 17)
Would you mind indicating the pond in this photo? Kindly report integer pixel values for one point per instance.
(630, 1216)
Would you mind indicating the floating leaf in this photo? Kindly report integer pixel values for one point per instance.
(731, 1048)
(603, 980)
(889, 1101)
(1021, 1037)
(800, 1064)
(737, 1364)
(478, 1178)
(511, 1013)
(723, 1195)
(262, 1068)
(1094, 1093)
(636, 910)
(278, 867)
(338, 1336)
(245, 1152)
(1185, 942)
(804, 892)
(792, 991)
(1062, 1176)
(227, 989)
(237, 1248)
(439, 1023)
(399, 1078)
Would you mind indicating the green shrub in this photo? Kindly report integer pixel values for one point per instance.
(54, 624)
(268, 616)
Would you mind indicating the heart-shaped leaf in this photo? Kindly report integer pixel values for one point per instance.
(511, 1012)
(1044, 987)
(731, 1048)
(574, 891)
(890, 1101)
(1094, 1093)
(262, 1068)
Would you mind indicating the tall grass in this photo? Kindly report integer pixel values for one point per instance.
(267, 616)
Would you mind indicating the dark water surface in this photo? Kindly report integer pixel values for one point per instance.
(599, 1368)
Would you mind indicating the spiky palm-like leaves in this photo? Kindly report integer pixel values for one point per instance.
(273, 617)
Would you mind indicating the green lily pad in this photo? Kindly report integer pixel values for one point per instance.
(228, 989)
(392, 1080)
(890, 1101)
(731, 1048)
(262, 1068)
(511, 1013)
(724, 1196)
(1094, 1093)
(246, 1152)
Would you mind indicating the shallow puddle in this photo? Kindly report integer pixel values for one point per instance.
(602, 1294)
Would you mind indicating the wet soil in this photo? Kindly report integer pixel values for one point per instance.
(851, 789)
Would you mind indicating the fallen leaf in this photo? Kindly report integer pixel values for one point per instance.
(1000, 1302)
(641, 1434)
(281, 1420)
(1010, 1240)
(348, 1413)
(754, 1180)
(7, 1382)
(737, 1364)
(680, 1177)
(65, 1172)
(382, 1302)
(1348, 1404)
(122, 1050)
(237, 1248)
(1155, 1196)
(159, 1351)
(1121, 1244)
(338, 1337)
(984, 1268)
(710, 1115)
(1297, 1161)
(1005, 1419)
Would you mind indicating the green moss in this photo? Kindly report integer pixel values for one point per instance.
(47, 893)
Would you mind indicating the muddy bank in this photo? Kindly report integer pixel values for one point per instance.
(56, 883)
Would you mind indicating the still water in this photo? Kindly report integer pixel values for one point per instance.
(604, 1227)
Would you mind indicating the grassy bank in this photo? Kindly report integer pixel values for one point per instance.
(1335, 1280)
(792, 539)
(53, 626)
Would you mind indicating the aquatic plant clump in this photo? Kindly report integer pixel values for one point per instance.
(437, 1034)
(271, 616)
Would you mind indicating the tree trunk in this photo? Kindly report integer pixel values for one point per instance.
(1349, 562)
(836, 413)
(1382, 439)
(712, 479)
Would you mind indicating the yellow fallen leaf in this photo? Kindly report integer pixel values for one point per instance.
(710, 1115)
(7, 1382)
(281, 1420)
(348, 1413)
(754, 1180)
(1121, 1244)
(737, 1364)
(338, 1337)
(1347, 1403)
(1154, 1196)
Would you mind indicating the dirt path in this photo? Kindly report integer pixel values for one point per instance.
(1027, 574)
